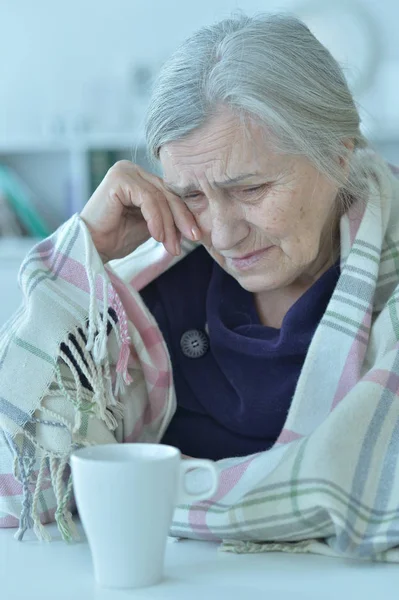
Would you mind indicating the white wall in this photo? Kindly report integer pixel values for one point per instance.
(64, 62)
(71, 58)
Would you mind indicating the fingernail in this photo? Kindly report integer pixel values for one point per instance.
(177, 249)
(196, 233)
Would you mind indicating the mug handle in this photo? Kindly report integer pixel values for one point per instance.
(186, 497)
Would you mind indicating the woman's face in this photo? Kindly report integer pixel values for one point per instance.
(265, 218)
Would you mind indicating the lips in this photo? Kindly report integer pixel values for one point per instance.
(249, 261)
(248, 255)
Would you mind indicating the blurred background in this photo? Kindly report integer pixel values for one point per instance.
(75, 79)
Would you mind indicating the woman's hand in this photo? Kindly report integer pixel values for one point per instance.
(130, 206)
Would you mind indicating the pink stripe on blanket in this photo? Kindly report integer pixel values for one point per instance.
(385, 379)
(9, 486)
(152, 271)
(229, 478)
(287, 435)
(156, 377)
(351, 371)
(151, 337)
(72, 271)
(8, 521)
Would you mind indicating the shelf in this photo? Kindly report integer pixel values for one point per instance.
(27, 146)
(113, 142)
(72, 144)
(130, 141)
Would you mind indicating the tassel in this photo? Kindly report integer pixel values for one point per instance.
(41, 533)
(120, 387)
(63, 525)
(78, 421)
(122, 374)
(100, 347)
(66, 525)
(38, 528)
(123, 360)
(63, 516)
(110, 420)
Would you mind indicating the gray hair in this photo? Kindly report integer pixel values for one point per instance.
(270, 68)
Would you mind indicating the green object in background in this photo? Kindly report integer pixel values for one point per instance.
(100, 162)
(19, 198)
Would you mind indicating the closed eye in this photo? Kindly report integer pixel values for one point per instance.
(191, 196)
(195, 196)
(255, 188)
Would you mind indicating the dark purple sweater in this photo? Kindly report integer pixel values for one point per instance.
(232, 401)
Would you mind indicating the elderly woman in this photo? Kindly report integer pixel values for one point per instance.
(264, 278)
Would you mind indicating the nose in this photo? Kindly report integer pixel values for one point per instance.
(228, 228)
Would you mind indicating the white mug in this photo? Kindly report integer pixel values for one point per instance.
(126, 495)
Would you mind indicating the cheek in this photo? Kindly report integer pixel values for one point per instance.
(201, 217)
(286, 222)
(279, 219)
(270, 218)
(301, 242)
(203, 221)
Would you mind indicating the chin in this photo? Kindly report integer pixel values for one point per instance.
(255, 282)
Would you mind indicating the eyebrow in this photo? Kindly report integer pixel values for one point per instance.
(188, 189)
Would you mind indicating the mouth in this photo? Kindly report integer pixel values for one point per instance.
(247, 261)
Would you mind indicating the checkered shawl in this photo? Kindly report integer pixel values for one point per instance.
(330, 483)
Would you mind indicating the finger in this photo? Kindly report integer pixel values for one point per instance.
(184, 219)
(133, 189)
(159, 218)
(172, 235)
(152, 184)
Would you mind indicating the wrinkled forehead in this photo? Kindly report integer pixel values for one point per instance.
(223, 147)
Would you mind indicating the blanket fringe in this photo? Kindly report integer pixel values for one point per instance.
(63, 516)
(26, 520)
(40, 531)
(30, 518)
(87, 356)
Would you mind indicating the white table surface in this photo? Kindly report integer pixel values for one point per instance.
(193, 571)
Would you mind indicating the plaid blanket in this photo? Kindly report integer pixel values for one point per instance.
(330, 483)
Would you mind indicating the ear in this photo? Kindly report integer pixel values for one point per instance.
(344, 159)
